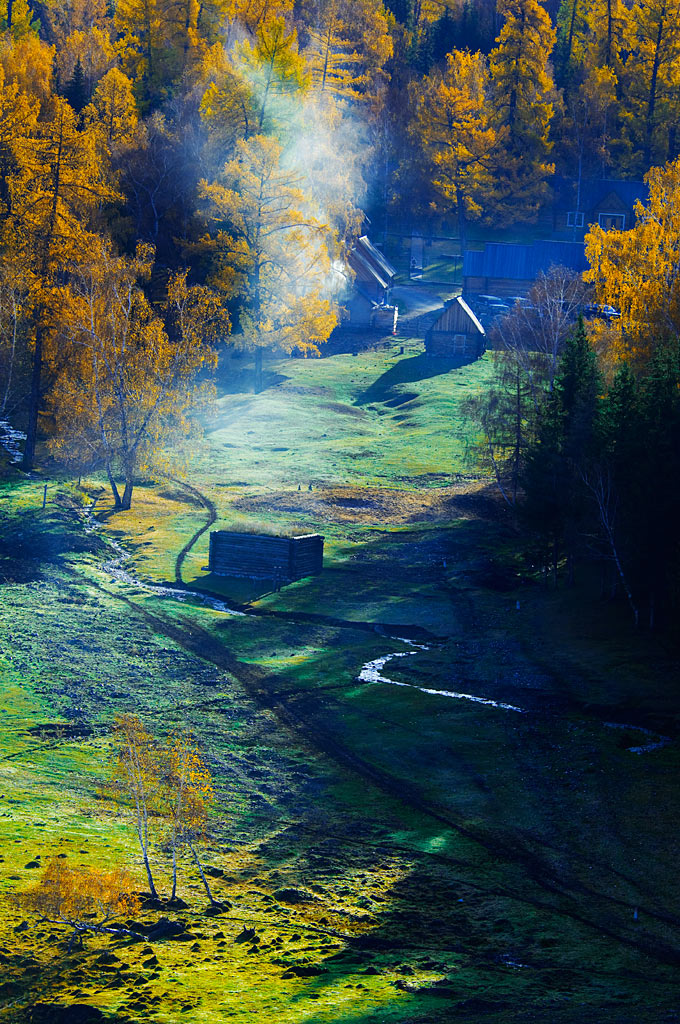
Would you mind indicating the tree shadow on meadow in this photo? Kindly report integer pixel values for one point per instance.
(409, 371)
(33, 537)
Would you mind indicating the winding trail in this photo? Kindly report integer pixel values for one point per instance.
(209, 506)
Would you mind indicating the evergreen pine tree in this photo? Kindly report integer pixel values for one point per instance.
(569, 437)
(76, 90)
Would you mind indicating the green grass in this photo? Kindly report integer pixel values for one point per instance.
(454, 860)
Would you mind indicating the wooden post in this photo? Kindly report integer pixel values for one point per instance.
(44, 496)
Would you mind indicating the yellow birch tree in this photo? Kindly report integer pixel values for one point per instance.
(131, 376)
(638, 272)
(188, 797)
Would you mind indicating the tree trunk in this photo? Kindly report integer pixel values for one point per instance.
(202, 874)
(149, 876)
(127, 494)
(462, 220)
(174, 871)
(259, 380)
(114, 488)
(651, 103)
(572, 22)
(34, 400)
(610, 20)
(518, 440)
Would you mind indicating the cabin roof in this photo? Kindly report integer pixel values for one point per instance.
(458, 301)
(596, 192)
(368, 263)
(522, 262)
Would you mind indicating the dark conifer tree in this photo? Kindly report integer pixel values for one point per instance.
(568, 439)
(76, 90)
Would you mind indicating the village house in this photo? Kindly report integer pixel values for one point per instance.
(504, 268)
(456, 333)
(607, 202)
(367, 303)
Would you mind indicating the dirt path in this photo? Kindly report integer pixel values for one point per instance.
(212, 518)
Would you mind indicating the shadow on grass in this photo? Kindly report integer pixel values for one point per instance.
(236, 376)
(30, 538)
(409, 371)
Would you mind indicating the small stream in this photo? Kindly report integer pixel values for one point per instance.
(372, 672)
(11, 440)
(115, 568)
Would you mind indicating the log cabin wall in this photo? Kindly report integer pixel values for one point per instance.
(262, 556)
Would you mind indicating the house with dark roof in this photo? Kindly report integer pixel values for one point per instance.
(608, 202)
(456, 333)
(372, 276)
(503, 268)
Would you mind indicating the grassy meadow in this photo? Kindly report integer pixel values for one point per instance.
(395, 855)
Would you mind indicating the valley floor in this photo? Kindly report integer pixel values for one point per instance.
(492, 839)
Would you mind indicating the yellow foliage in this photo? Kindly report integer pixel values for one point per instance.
(28, 63)
(453, 123)
(113, 110)
(131, 377)
(93, 48)
(524, 101)
(251, 14)
(22, 23)
(349, 45)
(67, 16)
(85, 899)
(281, 248)
(653, 76)
(274, 70)
(638, 272)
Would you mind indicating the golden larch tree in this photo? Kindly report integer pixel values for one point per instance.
(453, 126)
(60, 184)
(113, 111)
(348, 48)
(275, 73)
(278, 249)
(524, 101)
(653, 93)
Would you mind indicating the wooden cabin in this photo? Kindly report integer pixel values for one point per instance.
(504, 268)
(259, 556)
(607, 202)
(456, 333)
(367, 302)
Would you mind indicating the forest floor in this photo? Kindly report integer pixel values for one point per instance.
(479, 843)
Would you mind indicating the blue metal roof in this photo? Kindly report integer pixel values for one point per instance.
(523, 262)
(595, 190)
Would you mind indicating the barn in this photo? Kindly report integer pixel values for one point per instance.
(455, 333)
(504, 268)
(259, 556)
